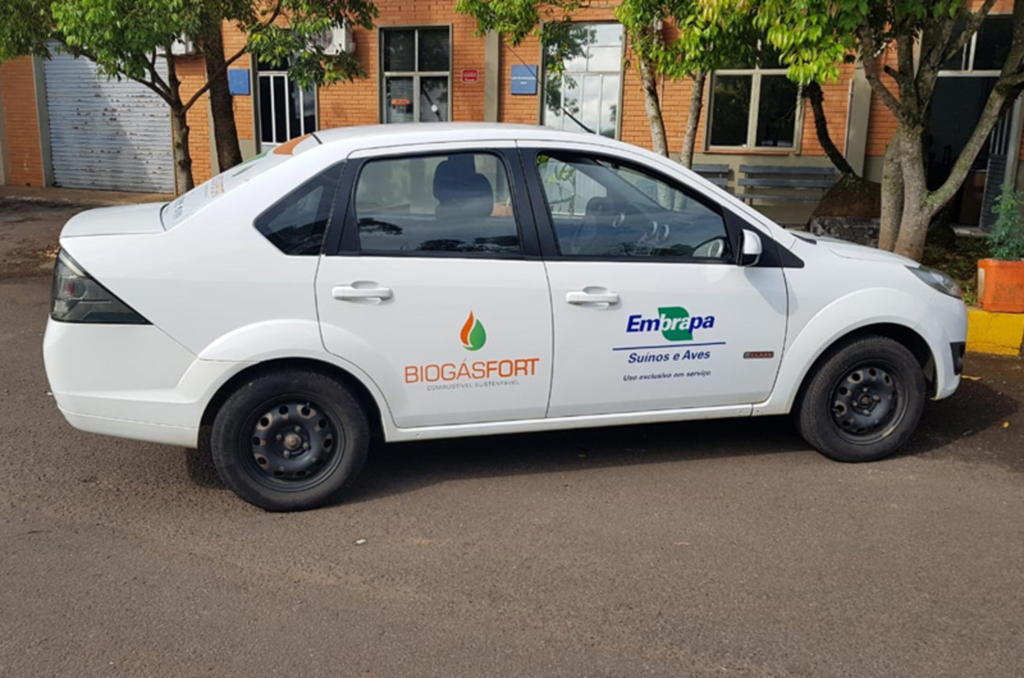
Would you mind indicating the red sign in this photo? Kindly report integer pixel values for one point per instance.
(471, 75)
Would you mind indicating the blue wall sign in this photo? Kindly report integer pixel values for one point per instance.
(524, 80)
(238, 81)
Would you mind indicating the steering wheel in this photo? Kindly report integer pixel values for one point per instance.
(710, 249)
(598, 219)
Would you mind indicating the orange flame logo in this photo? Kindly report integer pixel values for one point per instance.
(473, 335)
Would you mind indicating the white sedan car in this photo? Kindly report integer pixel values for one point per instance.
(434, 281)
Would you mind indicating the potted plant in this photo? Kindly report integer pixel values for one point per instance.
(1001, 278)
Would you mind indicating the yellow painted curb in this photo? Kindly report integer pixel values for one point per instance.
(1000, 333)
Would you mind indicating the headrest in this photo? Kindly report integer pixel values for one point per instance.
(471, 199)
(450, 174)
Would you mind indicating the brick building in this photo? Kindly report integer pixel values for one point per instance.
(424, 62)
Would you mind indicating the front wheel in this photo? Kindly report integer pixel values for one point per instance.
(289, 440)
(864, 401)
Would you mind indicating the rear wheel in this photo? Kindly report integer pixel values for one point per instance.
(290, 440)
(864, 401)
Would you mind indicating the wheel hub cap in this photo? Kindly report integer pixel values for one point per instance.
(292, 441)
(864, 401)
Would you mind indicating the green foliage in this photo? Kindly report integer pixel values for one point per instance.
(707, 40)
(961, 262)
(300, 45)
(25, 27)
(515, 19)
(815, 36)
(1007, 237)
(123, 36)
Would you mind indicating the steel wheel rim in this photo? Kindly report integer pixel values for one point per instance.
(292, 444)
(868, 402)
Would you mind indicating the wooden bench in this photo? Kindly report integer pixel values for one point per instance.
(795, 182)
(716, 174)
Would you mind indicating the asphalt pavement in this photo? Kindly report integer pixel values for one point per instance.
(722, 548)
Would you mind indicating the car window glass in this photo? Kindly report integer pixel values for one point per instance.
(296, 224)
(600, 208)
(457, 203)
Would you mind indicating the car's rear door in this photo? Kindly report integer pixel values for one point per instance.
(434, 286)
(651, 310)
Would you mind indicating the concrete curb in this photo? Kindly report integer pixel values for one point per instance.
(998, 333)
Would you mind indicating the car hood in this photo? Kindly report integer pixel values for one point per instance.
(849, 250)
(125, 220)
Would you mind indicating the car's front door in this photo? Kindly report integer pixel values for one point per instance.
(651, 310)
(433, 291)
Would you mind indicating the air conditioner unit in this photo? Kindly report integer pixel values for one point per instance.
(183, 46)
(337, 40)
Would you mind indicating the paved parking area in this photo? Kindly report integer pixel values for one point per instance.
(713, 549)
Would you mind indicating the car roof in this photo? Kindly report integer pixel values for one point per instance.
(369, 136)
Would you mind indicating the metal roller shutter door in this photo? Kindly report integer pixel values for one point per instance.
(106, 134)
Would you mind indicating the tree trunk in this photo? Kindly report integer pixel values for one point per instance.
(652, 106)
(814, 94)
(182, 156)
(221, 106)
(916, 214)
(179, 130)
(693, 118)
(892, 198)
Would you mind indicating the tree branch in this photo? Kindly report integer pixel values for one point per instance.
(217, 73)
(1009, 78)
(892, 72)
(76, 52)
(814, 94)
(973, 24)
(278, 8)
(869, 56)
(1013, 80)
(157, 80)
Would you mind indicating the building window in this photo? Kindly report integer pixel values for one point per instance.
(286, 111)
(986, 50)
(416, 74)
(585, 96)
(753, 108)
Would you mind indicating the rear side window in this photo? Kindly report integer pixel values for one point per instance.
(457, 203)
(296, 223)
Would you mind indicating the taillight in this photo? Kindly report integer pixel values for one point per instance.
(77, 298)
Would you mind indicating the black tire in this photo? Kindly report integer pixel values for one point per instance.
(863, 402)
(290, 440)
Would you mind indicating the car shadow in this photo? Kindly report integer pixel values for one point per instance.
(975, 408)
(407, 467)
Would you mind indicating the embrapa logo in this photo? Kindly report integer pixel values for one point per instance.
(473, 334)
(674, 323)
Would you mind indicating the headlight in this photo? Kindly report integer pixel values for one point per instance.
(937, 280)
(76, 298)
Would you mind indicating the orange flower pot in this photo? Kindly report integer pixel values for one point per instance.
(1001, 285)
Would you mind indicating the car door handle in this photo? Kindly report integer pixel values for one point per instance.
(591, 297)
(358, 291)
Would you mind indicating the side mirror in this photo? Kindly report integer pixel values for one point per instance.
(751, 248)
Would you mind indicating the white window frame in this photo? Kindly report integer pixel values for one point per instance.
(755, 99)
(621, 73)
(271, 75)
(414, 74)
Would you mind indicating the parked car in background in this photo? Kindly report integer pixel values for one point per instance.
(458, 280)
